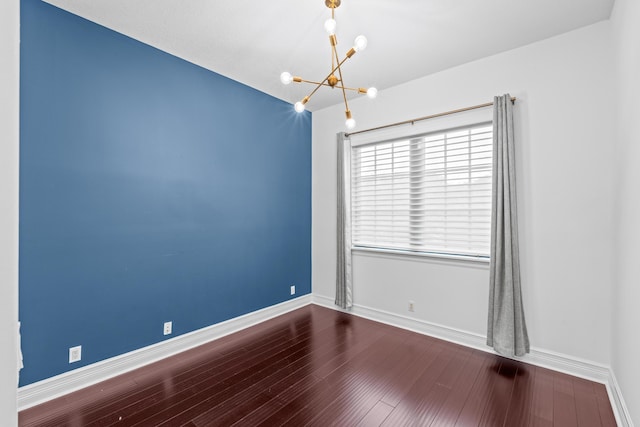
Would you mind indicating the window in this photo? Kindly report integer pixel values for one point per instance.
(430, 193)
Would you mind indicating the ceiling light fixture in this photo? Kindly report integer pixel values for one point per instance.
(332, 80)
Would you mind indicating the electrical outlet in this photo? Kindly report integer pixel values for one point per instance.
(75, 354)
(411, 307)
(293, 289)
(168, 326)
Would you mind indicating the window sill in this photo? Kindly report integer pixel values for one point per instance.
(427, 256)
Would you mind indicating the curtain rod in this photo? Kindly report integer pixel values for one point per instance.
(433, 116)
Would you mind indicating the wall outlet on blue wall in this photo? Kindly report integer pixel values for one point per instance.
(75, 354)
(293, 289)
(168, 326)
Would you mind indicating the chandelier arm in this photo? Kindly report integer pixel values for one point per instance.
(337, 67)
(344, 93)
(327, 84)
(334, 41)
(333, 63)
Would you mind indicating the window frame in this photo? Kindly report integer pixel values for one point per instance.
(470, 123)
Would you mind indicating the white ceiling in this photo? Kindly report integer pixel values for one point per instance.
(253, 41)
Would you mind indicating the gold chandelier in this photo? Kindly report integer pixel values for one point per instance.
(332, 80)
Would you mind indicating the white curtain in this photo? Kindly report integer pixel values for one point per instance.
(507, 330)
(344, 284)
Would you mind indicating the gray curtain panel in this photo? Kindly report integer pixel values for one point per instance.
(344, 285)
(507, 330)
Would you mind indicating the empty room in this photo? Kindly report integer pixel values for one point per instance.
(319, 212)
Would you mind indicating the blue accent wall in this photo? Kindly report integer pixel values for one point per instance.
(151, 190)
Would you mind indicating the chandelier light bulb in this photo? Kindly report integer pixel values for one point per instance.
(330, 26)
(299, 107)
(286, 78)
(372, 92)
(360, 43)
(350, 123)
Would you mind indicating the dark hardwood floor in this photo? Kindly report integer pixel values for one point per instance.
(319, 367)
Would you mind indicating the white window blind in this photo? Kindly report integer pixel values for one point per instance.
(430, 193)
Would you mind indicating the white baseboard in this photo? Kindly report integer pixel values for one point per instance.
(539, 357)
(623, 417)
(50, 388)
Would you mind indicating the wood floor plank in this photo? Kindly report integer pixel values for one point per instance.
(212, 391)
(376, 416)
(452, 406)
(377, 379)
(604, 405)
(315, 367)
(289, 402)
(564, 404)
(346, 353)
(274, 405)
(202, 402)
(268, 382)
(405, 381)
(435, 393)
(474, 407)
(541, 413)
(183, 379)
(587, 412)
(105, 391)
(519, 411)
(499, 396)
(426, 395)
(350, 378)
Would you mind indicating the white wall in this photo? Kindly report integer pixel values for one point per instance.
(626, 338)
(9, 75)
(564, 120)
